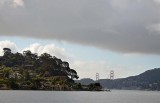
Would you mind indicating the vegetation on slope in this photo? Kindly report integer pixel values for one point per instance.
(30, 71)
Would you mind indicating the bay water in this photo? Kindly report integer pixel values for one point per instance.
(115, 96)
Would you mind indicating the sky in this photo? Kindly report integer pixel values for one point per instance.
(94, 36)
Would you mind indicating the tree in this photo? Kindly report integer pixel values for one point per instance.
(37, 82)
(65, 64)
(95, 86)
(7, 57)
(65, 67)
(6, 72)
(58, 61)
(73, 74)
(26, 76)
(18, 59)
(7, 50)
(27, 53)
(45, 57)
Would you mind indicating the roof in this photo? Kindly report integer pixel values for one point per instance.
(28, 65)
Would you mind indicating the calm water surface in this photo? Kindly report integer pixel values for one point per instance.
(116, 96)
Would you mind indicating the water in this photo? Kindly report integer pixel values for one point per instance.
(116, 96)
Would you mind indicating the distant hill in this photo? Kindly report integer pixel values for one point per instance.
(151, 75)
(149, 80)
(85, 81)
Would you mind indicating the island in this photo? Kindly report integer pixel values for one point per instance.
(28, 71)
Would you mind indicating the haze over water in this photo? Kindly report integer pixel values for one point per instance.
(116, 96)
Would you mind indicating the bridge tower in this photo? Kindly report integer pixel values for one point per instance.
(112, 75)
(97, 76)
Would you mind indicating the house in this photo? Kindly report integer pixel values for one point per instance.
(15, 69)
(61, 77)
(28, 67)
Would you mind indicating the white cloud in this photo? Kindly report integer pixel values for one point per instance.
(11, 3)
(7, 44)
(49, 48)
(18, 3)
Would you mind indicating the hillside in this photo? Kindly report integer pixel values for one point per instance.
(85, 81)
(149, 80)
(31, 71)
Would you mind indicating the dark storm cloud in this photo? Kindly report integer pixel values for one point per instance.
(126, 26)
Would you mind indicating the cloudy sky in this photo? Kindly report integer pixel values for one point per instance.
(93, 35)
